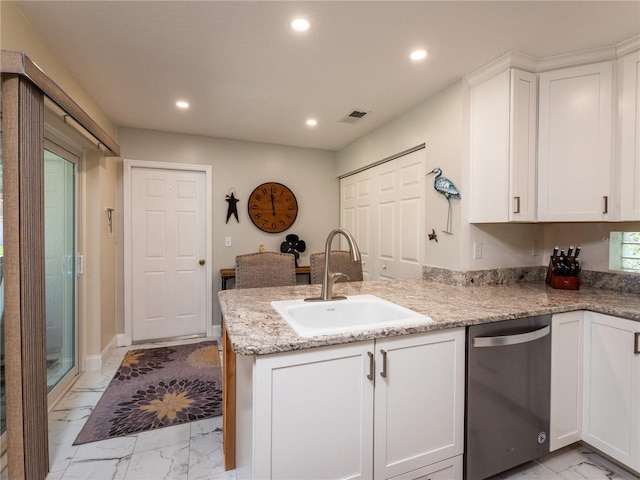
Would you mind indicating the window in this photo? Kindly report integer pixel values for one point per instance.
(624, 251)
(630, 258)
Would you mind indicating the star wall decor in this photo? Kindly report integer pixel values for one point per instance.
(232, 208)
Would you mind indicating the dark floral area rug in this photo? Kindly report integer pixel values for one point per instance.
(155, 388)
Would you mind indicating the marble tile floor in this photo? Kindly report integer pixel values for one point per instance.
(575, 462)
(193, 451)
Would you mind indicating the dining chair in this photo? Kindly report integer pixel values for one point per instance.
(339, 261)
(265, 269)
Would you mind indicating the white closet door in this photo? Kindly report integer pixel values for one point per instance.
(356, 215)
(383, 207)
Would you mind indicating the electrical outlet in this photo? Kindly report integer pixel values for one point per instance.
(477, 250)
(227, 241)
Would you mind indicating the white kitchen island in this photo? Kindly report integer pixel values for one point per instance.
(304, 400)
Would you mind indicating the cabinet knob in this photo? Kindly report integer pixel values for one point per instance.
(516, 204)
(202, 261)
(605, 205)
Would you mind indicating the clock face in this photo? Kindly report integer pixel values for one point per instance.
(272, 207)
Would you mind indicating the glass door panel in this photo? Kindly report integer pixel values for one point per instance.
(60, 266)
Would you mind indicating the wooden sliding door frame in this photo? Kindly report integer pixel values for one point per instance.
(25, 341)
(24, 88)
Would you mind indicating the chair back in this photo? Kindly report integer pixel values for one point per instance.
(339, 261)
(265, 269)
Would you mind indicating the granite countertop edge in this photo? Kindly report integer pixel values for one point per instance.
(254, 328)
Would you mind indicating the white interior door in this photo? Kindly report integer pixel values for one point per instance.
(168, 253)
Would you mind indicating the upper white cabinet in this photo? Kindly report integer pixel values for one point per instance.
(575, 143)
(628, 182)
(503, 148)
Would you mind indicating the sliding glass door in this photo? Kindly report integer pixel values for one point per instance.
(60, 264)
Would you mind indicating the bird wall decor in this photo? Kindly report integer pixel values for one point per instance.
(445, 187)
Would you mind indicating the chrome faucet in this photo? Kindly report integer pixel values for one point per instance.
(329, 278)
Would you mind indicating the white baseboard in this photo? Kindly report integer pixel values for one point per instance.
(123, 340)
(216, 331)
(93, 363)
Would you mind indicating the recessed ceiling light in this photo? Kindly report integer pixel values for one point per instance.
(182, 104)
(312, 122)
(418, 55)
(300, 24)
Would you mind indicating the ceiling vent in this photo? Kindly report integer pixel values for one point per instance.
(355, 116)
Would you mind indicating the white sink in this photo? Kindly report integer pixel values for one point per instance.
(356, 313)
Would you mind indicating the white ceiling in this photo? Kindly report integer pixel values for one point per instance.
(248, 76)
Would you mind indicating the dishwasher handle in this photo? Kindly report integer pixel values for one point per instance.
(503, 340)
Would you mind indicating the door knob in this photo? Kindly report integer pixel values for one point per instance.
(202, 261)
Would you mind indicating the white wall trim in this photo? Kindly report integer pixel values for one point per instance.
(217, 331)
(128, 165)
(500, 64)
(121, 340)
(628, 46)
(94, 363)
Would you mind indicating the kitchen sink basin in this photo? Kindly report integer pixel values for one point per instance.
(355, 313)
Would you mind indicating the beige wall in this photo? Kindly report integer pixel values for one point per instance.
(438, 123)
(17, 34)
(441, 122)
(310, 173)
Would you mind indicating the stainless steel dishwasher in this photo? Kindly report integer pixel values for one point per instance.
(508, 394)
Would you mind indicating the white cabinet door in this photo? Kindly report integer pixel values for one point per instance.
(419, 401)
(566, 379)
(313, 414)
(629, 166)
(574, 149)
(612, 387)
(503, 148)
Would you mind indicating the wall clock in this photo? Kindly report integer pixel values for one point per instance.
(272, 207)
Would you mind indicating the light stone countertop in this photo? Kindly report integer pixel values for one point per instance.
(254, 328)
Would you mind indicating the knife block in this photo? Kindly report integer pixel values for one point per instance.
(560, 281)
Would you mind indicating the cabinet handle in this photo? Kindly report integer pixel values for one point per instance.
(383, 373)
(605, 204)
(516, 204)
(636, 346)
(370, 376)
